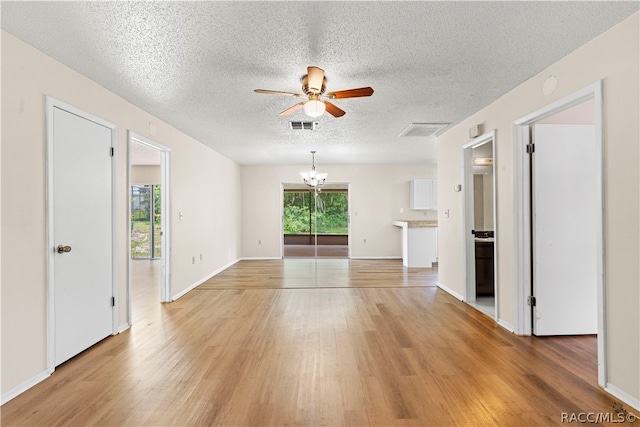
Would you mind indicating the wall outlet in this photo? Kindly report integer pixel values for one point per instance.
(259, 242)
(193, 260)
(200, 257)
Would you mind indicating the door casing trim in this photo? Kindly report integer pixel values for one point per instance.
(165, 201)
(468, 213)
(522, 221)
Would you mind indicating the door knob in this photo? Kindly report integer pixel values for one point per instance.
(62, 249)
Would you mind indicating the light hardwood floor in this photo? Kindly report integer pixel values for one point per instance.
(145, 289)
(301, 342)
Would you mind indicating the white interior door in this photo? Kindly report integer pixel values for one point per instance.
(82, 273)
(564, 206)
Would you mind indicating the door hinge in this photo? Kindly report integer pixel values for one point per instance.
(531, 148)
(531, 300)
(113, 301)
(112, 151)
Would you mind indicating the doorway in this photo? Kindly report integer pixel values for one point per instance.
(315, 224)
(146, 215)
(81, 269)
(480, 223)
(149, 227)
(542, 166)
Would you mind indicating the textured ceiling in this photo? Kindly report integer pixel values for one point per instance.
(195, 64)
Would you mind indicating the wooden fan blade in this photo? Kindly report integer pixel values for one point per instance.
(293, 109)
(351, 93)
(315, 78)
(333, 110)
(275, 92)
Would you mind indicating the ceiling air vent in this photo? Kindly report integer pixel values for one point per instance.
(422, 129)
(303, 125)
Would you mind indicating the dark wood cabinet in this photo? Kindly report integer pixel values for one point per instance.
(484, 269)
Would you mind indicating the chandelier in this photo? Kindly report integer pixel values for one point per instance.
(312, 178)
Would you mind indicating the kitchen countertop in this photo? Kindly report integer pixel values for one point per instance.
(416, 224)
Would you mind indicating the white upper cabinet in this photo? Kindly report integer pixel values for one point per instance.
(424, 194)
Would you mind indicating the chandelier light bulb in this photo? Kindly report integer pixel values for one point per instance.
(312, 178)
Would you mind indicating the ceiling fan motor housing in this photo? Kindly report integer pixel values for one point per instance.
(310, 90)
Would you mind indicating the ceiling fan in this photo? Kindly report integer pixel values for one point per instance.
(313, 85)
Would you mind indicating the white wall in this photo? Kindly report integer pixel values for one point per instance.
(478, 202)
(377, 194)
(206, 188)
(483, 201)
(487, 201)
(581, 114)
(614, 57)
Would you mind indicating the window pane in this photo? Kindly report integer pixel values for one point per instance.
(333, 217)
(298, 217)
(140, 216)
(157, 229)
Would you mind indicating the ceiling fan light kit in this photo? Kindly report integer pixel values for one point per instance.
(314, 84)
(314, 108)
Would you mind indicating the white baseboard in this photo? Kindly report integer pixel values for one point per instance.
(625, 397)
(450, 291)
(14, 392)
(352, 257)
(123, 328)
(376, 257)
(506, 325)
(201, 281)
(500, 322)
